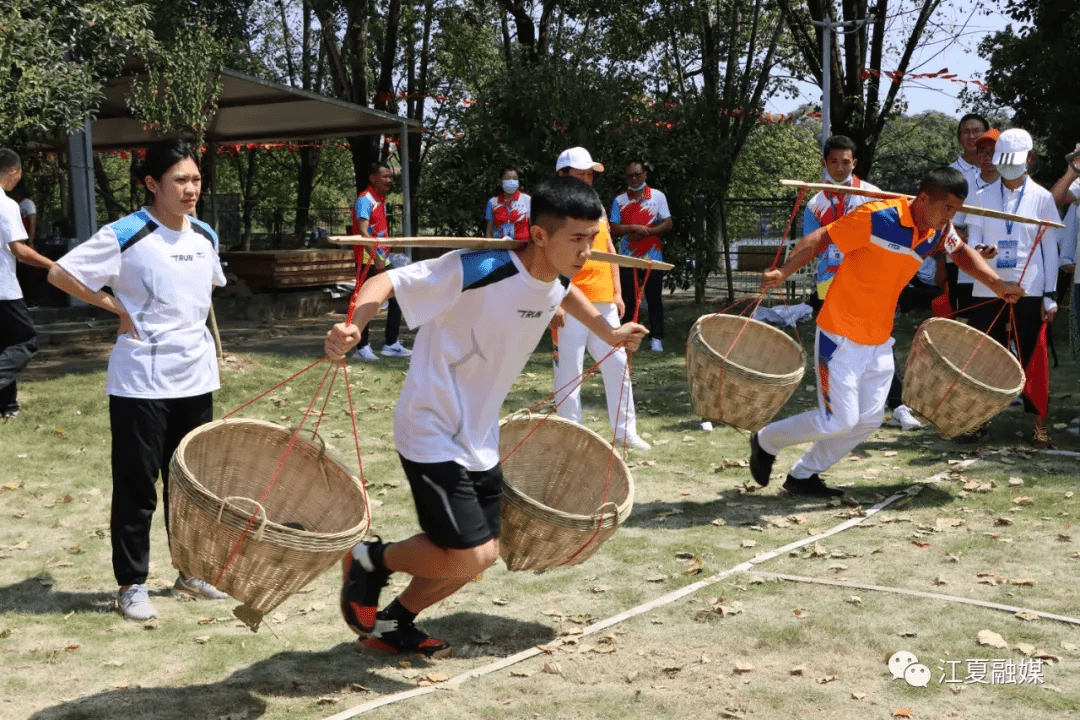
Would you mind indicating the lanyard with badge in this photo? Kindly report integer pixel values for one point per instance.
(1007, 249)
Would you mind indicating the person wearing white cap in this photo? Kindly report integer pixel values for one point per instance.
(1018, 259)
(600, 284)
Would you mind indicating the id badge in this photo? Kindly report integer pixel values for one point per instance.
(1006, 257)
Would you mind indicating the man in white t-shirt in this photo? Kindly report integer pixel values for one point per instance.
(480, 315)
(968, 131)
(18, 341)
(1017, 259)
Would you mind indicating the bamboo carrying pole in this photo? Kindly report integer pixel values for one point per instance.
(886, 195)
(475, 243)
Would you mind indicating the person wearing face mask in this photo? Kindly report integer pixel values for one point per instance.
(507, 213)
(1016, 255)
(987, 175)
(641, 215)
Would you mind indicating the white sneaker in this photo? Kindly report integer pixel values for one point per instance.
(656, 345)
(196, 588)
(903, 418)
(134, 604)
(634, 442)
(396, 350)
(366, 353)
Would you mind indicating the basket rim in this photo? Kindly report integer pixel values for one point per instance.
(968, 379)
(187, 477)
(695, 337)
(529, 416)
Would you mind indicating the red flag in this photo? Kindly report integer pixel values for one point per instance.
(1037, 387)
(940, 305)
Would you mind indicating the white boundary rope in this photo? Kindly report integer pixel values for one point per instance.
(916, 593)
(638, 610)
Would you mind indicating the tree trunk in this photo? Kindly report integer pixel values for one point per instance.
(113, 207)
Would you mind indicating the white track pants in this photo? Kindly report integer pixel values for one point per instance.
(572, 339)
(853, 382)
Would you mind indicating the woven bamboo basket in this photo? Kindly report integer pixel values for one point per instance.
(958, 377)
(260, 553)
(558, 507)
(741, 371)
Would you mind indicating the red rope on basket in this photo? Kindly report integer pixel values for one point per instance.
(273, 480)
(638, 292)
(1012, 315)
(757, 299)
(362, 273)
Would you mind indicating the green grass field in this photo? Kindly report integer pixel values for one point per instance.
(747, 646)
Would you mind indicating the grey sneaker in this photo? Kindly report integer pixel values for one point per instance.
(396, 350)
(196, 588)
(134, 604)
(365, 353)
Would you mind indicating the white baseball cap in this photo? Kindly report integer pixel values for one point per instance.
(577, 158)
(1012, 147)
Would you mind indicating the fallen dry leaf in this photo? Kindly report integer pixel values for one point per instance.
(826, 680)
(719, 522)
(857, 695)
(798, 670)
(202, 639)
(1022, 500)
(1072, 647)
(521, 673)
(742, 667)
(903, 712)
(1025, 648)
(437, 677)
(989, 638)
(855, 600)
(499, 601)
(552, 668)
(1024, 615)
(326, 701)
(1023, 582)
(749, 543)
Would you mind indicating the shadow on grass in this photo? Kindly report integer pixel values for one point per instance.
(738, 508)
(302, 675)
(35, 596)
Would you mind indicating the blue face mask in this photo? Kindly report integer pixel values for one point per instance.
(510, 186)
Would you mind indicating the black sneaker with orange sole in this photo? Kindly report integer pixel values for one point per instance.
(362, 583)
(392, 637)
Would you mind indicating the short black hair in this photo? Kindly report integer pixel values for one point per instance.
(972, 116)
(944, 180)
(838, 142)
(508, 168)
(161, 156)
(562, 197)
(636, 161)
(9, 160)
(376, 167)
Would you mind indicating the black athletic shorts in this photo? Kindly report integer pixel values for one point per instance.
(457, 508)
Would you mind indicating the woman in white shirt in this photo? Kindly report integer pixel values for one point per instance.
(161, 265)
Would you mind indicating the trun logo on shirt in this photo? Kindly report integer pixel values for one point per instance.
(187, 258)
(530, 313)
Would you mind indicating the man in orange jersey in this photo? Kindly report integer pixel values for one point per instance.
(600, 284)
(884, 243)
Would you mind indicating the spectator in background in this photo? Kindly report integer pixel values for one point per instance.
(640, 215)
(369, 220)
(1017, 255)
(968, 131)
(1066, 191)
(162, 265)
(18, 341)
(838, 161)
(507, 213)
(986, 176)
(29, 277)
(599, 282)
